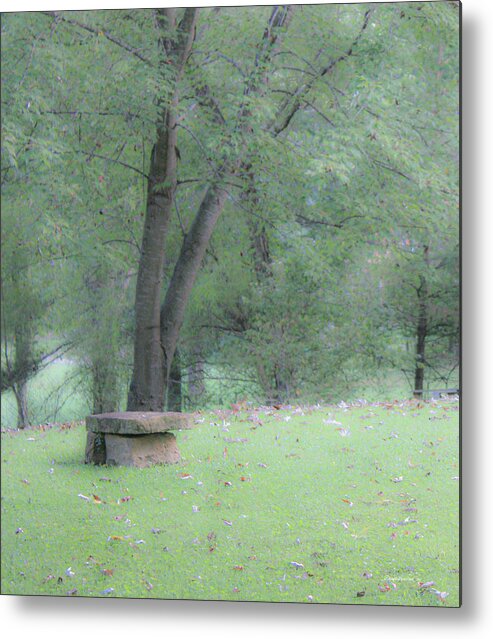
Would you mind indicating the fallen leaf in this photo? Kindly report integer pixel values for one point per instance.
(147, 584)
(72, 593)
(237, 567)
(107, 572)
(228, 523)
(427, 584)
(441, 595)
(296, 564)
(343, 432)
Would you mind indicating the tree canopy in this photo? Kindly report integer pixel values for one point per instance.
(265, 194)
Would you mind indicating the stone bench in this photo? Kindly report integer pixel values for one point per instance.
(134, 438)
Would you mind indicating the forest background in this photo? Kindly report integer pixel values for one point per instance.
(207, 207)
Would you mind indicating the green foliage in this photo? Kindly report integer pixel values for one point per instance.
(368, 161)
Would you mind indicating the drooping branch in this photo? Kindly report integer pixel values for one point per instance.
(92, 155)
(12, 375)
(292, 104)
(99, 32)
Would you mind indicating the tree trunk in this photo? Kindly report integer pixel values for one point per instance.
(421, 332)
(186, 270)
(147, 385)
(277, 389)
(174, 400)
(196, 382)
(23, 365)
(104, 386)
(152, 360)
(20, 393)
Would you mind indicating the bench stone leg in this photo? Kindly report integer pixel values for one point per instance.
(141, 450)
(95, 448)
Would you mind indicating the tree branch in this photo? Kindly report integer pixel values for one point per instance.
(337, 225)
(135, 52)
(281, 122)
(102, 157)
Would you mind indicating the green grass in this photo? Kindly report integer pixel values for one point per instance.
(374, 511)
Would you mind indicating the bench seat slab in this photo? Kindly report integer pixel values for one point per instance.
(138, 423)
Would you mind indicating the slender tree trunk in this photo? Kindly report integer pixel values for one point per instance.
(20, 393)
(277, 388)
(421, 332)
(186, 270)
(174, 399)
(147, 385)
(105, 386)
(196, 380)
(23, 364)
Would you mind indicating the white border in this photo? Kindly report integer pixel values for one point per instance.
(35, 616)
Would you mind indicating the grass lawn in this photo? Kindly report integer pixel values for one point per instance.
(356, 505)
